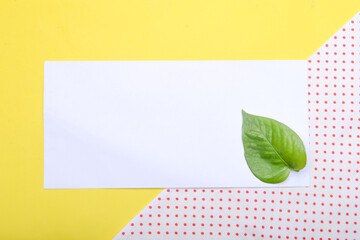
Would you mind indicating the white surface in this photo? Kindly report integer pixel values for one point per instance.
(155, 124)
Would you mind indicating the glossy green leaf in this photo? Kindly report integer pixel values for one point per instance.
(271, 148)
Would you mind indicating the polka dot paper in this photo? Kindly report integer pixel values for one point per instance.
(328, 209)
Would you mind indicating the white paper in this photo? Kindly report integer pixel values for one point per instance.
(157, 124)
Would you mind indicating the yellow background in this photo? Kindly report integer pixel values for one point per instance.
(32, 32)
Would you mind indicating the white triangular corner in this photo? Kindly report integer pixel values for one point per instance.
(167, 216)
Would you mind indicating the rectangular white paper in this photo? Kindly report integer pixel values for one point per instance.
(164, 124)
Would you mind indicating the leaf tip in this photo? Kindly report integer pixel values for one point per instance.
(243, 112)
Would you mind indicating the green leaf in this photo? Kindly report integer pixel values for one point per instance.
(271, 148)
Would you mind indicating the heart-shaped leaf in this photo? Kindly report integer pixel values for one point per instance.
(271, 148)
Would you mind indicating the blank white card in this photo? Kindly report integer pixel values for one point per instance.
(164, 124)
